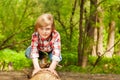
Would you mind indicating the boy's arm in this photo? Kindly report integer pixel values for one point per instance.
(53, 64)
(36, 66)
(56, 51)
(35, 63)
(34, 44)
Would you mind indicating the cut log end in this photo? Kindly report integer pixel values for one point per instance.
(45, 75)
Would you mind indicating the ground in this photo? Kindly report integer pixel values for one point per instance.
(19, 75)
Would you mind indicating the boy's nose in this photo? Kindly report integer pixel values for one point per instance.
(44, 30)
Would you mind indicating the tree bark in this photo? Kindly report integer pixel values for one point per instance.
(81, 56)
(91, 27)
(100, 32)
(95, 42)
(111, 35)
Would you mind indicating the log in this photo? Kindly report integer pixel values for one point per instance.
(45, 75)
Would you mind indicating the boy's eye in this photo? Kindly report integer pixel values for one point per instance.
(48, 28)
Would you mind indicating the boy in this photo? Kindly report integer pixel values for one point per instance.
(45, 39)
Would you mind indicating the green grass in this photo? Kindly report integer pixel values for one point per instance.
(104, 66)
(69, 62)
(18, 59)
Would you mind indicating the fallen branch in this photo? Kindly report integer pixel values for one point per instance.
(101, 56)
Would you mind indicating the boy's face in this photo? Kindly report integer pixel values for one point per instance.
(45, 32)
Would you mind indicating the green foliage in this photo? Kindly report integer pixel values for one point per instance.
(72, 68)
(69, 58)
(69, 62)
(18, 60)
(91, 60)
(104, 66)
(17, 20)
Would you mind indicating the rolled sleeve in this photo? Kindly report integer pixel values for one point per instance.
(34, 44)
(56, 58)
(57, 49)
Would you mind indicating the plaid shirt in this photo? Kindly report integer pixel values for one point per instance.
(46, 45)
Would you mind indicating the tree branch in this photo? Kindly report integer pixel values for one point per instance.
(13, 44)
(101, 56)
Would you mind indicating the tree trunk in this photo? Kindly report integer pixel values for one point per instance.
(100, 32)
(71, 20)
(91, 28)
(96, 11)
(80, 43)
(95, 42)
(111, 35)
(100, 40)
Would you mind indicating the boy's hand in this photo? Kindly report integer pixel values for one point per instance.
(52, 70)
(35, 71)
(52, 67)
(36, 66)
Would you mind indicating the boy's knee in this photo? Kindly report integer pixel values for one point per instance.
(27, 52)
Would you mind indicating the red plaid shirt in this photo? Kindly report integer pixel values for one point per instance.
(46, 45)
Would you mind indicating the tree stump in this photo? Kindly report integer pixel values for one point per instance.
(45, 75)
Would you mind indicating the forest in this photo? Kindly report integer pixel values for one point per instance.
(89, 29)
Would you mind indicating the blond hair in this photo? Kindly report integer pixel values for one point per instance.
(44, 20)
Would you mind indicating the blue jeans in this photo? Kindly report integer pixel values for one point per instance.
(41, 54)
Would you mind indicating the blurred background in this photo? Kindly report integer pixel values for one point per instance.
(89, 29)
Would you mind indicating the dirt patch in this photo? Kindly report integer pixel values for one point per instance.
(19, 75)
(79, 76)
